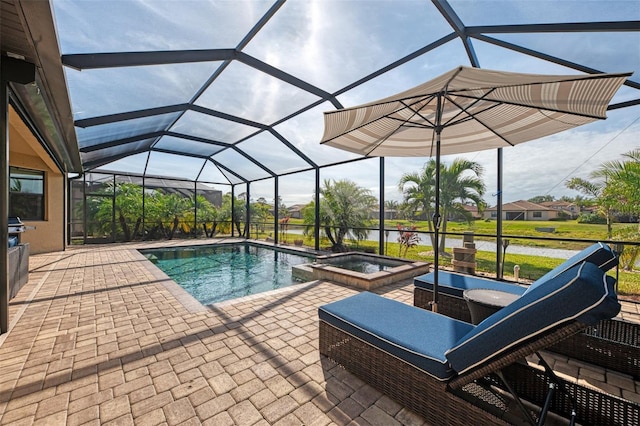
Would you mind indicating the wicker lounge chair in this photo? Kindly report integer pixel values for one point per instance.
(441, 367)
(612, 343)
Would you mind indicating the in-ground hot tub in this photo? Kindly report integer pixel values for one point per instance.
(365, 271)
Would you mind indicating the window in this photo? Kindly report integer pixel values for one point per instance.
(537, 214)
(26, 194)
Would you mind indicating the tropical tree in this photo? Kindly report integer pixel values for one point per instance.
(175, 209)
(407, 210)
(392, 206)
(283, 211)
(344, 212)
(128, 208)
(207, 213)
(613, 186)
(418, 189)
(460, 183)
(595, 189)
(235, 218)
(541, 199)
(260, 213)
(623, 181)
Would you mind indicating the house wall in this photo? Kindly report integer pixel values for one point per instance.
(544, 215)
(528, 215)
(25, 151)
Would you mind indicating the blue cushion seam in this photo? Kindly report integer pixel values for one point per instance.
(606, 263)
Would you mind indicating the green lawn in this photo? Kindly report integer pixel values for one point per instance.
(531, 267)
(563, 229)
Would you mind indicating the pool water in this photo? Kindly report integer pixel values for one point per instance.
(222, 272)
(363, 266)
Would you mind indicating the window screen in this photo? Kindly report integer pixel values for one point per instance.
(26, 194)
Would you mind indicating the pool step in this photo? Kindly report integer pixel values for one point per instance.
(302, 273)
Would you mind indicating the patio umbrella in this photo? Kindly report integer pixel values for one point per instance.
(467, 110)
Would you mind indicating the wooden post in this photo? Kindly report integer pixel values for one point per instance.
(464, 258)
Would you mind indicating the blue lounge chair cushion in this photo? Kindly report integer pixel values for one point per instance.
(582, 293)
(599, 254)
(455, 284)
(417, 336)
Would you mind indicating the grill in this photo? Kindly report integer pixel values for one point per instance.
(16, 228)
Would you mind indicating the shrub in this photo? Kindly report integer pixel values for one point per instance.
(557, 219)
(592, 218)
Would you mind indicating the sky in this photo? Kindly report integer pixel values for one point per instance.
(329, 45)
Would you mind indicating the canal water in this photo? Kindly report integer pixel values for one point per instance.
(480, 245)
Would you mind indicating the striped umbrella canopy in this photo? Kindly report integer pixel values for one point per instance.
(467, 110)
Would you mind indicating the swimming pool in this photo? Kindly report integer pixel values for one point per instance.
(226, 271)
(361, 270)
(364, 266)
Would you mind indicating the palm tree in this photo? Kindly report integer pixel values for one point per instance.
(235, 218)
(259, 212)
(623, 179)
(175, 207)
(206, 212)
(392, 206)
(596, 190)
(460, 183)
(418, 189)
(614, 186)
(128, 209)
(344, 212)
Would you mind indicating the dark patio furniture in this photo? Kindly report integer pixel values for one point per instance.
(484, 302)
(612, 343)
(17, 257)
(447, 370)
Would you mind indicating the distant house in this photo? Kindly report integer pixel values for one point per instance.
(389, 214)
(295, 211)
(521, 210)
(570, 209)
(472, 209)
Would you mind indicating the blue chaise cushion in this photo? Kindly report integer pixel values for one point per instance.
(415, 335)
(582, 293)
(599, 254)
(455, 284)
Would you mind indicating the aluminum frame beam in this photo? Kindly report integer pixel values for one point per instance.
(86, 61)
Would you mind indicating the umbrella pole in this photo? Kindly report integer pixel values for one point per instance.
(436, 214)
(436, 228)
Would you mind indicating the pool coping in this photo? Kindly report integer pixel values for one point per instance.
(189, 302)
(324, 269)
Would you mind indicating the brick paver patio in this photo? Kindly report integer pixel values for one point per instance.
(100, 336)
